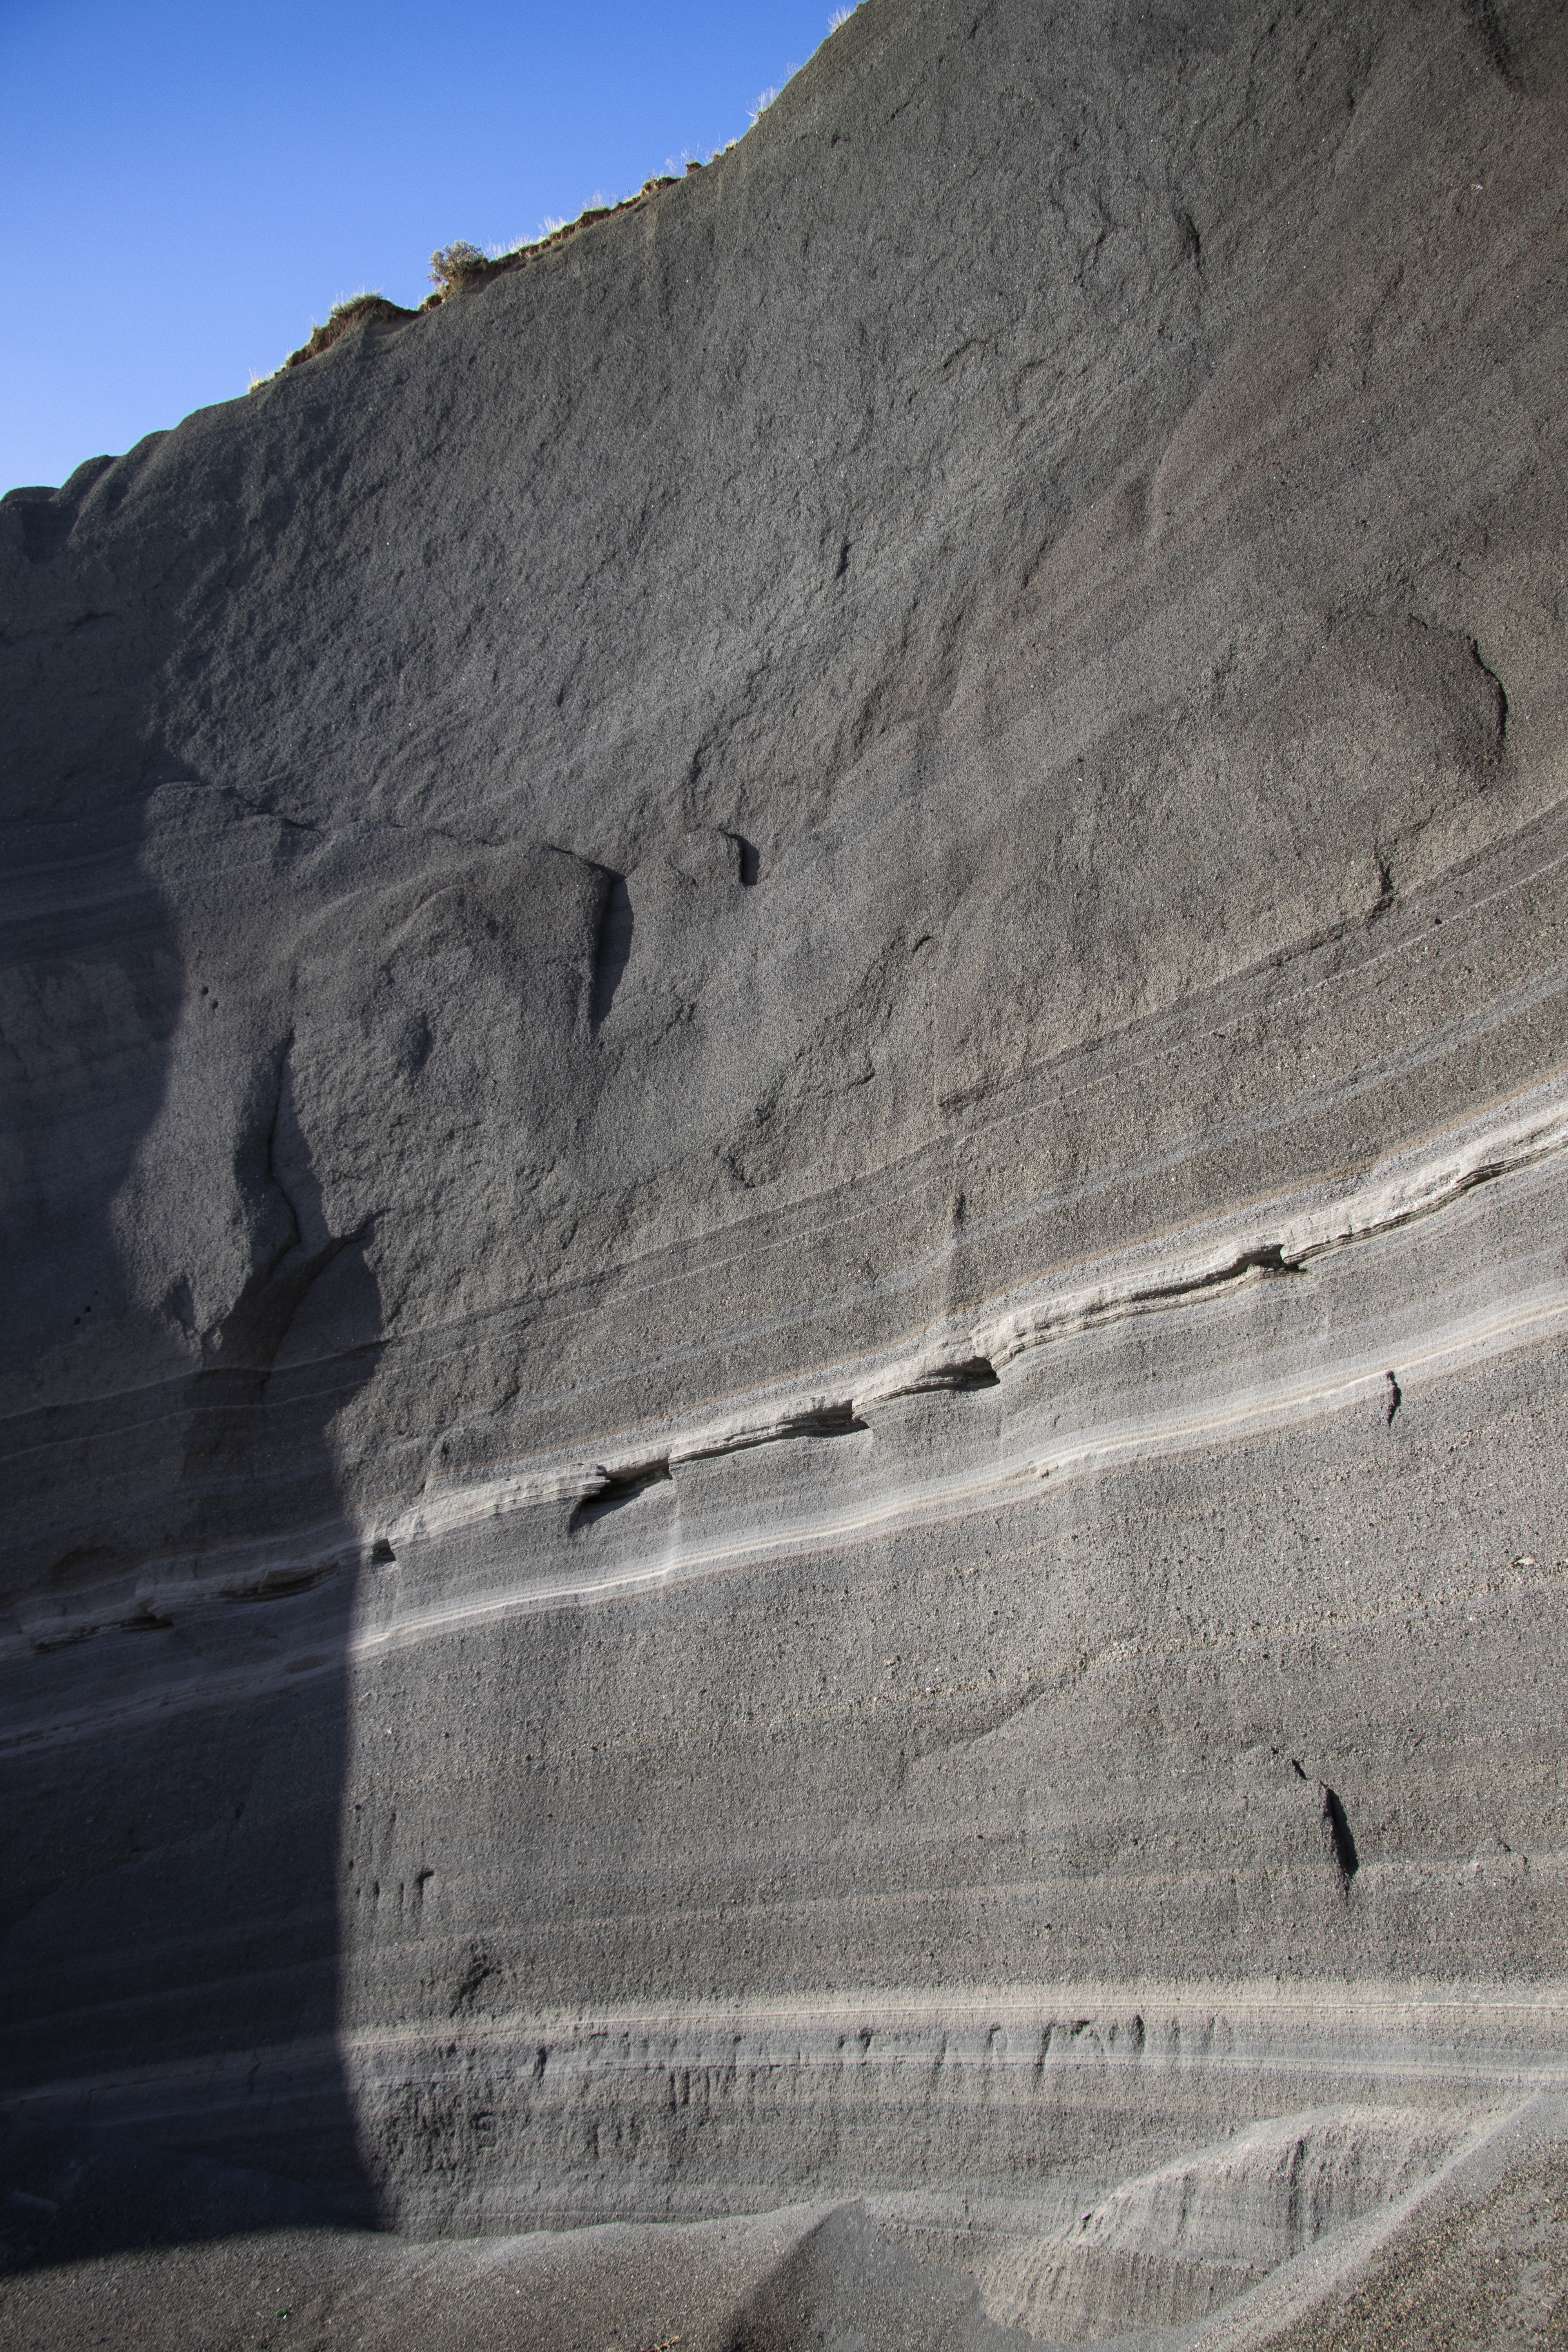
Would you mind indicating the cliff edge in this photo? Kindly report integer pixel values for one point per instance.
(786, 1070)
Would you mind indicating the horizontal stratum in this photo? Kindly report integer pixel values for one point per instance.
(784, 1030)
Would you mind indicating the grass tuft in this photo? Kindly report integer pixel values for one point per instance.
(360, 310)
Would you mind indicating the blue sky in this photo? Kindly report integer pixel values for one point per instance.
(185, 189)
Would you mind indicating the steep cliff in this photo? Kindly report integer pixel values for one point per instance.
(785, 1018)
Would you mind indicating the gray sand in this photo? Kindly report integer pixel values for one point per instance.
(786, 1095)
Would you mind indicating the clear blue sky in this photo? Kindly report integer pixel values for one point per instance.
(185, 189)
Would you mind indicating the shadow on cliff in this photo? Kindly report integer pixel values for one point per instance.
(173, 1765)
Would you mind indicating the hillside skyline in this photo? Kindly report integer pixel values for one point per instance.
(214, 208)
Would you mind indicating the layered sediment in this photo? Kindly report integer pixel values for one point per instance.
(787, 1103)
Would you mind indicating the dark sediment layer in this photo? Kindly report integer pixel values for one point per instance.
(784, 1019)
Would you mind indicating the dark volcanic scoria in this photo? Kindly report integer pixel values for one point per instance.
(785, 1068)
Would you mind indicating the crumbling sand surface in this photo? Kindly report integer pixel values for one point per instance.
(1475, 2259)
(786, 1101)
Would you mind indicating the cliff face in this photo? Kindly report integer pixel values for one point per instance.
(784, 1017)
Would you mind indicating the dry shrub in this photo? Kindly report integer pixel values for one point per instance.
(458, 265)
